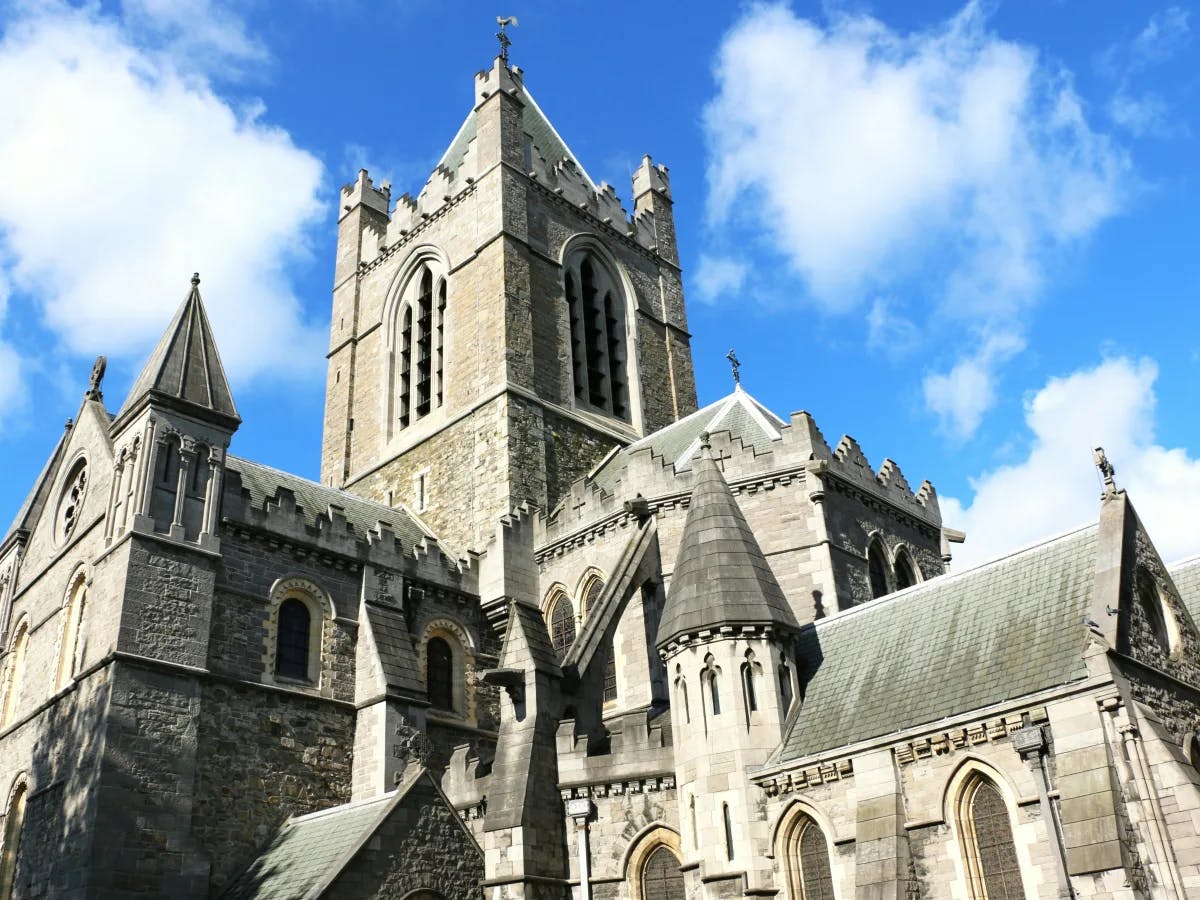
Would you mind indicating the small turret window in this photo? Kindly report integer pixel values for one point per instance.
(785, 685)
(728, 830)
(710, 678)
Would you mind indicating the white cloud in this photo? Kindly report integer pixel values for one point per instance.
(961, 396)
(865, 152)
(200, 35)
(889, 331)
(1142, 116)
(1165, 34)
(1056, 486)
(719, 278)
(132, 175)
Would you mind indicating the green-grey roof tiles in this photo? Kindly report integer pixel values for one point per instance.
(1186, 575)
(185, 366)
(721, 576)
(308, 850)
(262, 482)
(948, 646)
(738, 413)
(397, 656)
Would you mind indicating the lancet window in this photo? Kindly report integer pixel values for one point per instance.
(986, 829)
(877, 568)
(419, 349)
(809, 874)
(599, 353)
(562, 625)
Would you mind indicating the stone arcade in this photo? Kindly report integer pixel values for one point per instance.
(544, 629)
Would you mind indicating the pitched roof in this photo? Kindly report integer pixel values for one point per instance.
(738, 413)
(185, 366)
(261, 483)
(721, 576)
(537, 127)
(1186, 575)
(394, 645)
(950, 645)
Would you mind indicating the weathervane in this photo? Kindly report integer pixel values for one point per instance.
(733, 361)
(502, 35)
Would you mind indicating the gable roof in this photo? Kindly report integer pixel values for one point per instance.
(950, 645)
(537, 128)
(721, 576)
(260, 483)
(185, 366)
(738, 413)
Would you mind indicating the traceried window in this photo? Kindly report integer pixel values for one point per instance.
(906, 572)
(596, 311)
(562, 625)
(439, 674)
(292, 642)
(418, 346)
(661, 878)
(808, 862)
(70, 504)
(988, 842)
(1160, 620)
(877, 569)
(14, 823)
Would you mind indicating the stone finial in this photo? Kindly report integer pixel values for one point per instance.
(705, 440)
(98, 367)
(195, 279)
(1106, 471)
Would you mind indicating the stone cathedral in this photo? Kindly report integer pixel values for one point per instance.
(547, 630)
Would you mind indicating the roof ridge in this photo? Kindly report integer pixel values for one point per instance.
(340, 808)
(939, 580)
(325, 487)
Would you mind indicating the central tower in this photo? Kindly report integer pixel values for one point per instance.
(494, 338)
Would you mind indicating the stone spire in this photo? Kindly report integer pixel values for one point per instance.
(185, 370)
(721, 576)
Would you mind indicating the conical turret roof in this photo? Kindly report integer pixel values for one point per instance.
(721, 576)
(185, 369)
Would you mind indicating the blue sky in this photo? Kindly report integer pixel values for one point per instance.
(964, 234)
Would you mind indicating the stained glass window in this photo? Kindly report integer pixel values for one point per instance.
(562, 625)
(816, 880)
(661, 878)
(994, 843)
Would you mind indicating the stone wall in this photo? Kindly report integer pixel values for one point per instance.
(263, 755)
(421, 846)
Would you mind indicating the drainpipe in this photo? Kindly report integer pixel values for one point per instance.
(580, 809)
(1030, 742)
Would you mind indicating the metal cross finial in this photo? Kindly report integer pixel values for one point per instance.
(502, 35)
(733, 361)
(1106, 471)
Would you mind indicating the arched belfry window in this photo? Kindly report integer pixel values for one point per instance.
(877, 569)
(987, 837)
(418, 344)
(599, 351)
(809, 874)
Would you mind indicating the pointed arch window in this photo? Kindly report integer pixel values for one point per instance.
(14, 673)
(599, 353)
(14, 823)
(785, 685)
(906, 572)
(751, 669)
(710, 681)
(439, 674)
(68, 651)
(562, 625)
(877, 568)
(682, 691)
(419, 346)
(991, 855)
(166, 482)
(809, 873)
(661, 878)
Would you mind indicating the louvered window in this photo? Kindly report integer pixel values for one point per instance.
(596, 313)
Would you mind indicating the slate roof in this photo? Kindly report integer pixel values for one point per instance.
(395, 647)
(261, 483)
(307, 852)
(537, 127)
(721, 576)
(738, 413)
(1186, 575)
(185, 366)
(950, 645)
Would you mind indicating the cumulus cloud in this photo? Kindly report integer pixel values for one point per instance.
(1055, 487)
(948, 162)
(863, 151)
(719, 277)
(889, 330)
(201, 34)
(961, 396)
(126, 174)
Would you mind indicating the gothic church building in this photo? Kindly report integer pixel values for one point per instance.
(547, 630)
